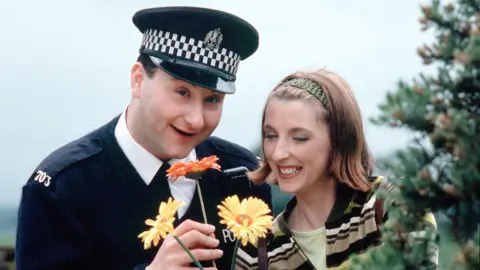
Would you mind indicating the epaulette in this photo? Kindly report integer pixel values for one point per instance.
(233, 149)
(62, 158)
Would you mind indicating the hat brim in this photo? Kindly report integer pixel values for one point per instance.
(188, 72)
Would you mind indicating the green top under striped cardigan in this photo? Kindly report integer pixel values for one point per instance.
(351, 228)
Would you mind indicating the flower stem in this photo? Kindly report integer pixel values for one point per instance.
(234, 258)
(204, 213)
(189, 253)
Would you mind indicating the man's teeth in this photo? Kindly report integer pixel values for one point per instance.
(289, 170)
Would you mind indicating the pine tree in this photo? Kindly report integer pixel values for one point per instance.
(440, 170)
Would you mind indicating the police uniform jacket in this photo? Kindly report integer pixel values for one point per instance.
(85, 204)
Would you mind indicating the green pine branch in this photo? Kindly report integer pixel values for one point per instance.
(440, 170)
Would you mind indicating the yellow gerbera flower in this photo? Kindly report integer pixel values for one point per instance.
(247, 220)
(163, 225)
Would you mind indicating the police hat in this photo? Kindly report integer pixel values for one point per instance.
(198, 45)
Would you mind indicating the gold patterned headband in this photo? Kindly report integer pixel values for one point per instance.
(310, 86)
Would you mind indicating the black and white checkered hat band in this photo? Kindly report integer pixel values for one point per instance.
(191, 49)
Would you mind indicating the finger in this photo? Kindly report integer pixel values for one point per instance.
(195, 239)
(200, 254)
(189, 225)
(196, 268)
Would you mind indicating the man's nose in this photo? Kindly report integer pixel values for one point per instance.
(195, 119)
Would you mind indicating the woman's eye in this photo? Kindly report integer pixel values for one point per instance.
(269, 136)
(301, 139)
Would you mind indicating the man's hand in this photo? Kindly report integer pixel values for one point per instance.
(199, 238)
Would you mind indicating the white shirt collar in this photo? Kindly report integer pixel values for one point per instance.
(144, 162)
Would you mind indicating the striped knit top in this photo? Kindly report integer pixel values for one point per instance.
(351, 228)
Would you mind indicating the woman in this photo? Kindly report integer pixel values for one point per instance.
(314, 147)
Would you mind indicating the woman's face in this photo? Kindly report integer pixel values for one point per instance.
(296, 143)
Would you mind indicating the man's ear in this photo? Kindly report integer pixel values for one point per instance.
(137, 77)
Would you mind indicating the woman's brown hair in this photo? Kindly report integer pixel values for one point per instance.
(350, 159)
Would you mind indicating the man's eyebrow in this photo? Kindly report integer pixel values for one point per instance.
(182, 81)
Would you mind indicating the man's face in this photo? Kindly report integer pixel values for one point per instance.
(171, 116)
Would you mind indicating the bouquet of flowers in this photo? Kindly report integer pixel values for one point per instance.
(248, 219)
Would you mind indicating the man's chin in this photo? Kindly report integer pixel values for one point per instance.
(180, 148)
(179, 154)
(181, 151)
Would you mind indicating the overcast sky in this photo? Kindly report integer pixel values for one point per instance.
(65, 66)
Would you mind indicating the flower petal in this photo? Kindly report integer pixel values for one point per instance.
(162, 225)
(248, 219)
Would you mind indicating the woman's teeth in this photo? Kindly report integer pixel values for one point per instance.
(289, 170)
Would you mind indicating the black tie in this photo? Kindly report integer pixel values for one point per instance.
(158, 189)
(161, 175)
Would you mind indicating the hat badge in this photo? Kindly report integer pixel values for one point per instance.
(213, 39)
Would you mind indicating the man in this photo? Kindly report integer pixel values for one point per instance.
(86, 203)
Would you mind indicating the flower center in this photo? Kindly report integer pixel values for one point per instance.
(161, 219)
(242, 219)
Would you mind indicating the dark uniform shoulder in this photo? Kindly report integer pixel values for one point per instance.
(62, 158)
(228, 150)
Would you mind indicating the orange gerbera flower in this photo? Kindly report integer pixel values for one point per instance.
(192, 167)
(247, 220)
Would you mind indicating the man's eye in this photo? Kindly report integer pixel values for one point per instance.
(182, 92)
(212, 99)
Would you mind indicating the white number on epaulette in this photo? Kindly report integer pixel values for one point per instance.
(42, 177)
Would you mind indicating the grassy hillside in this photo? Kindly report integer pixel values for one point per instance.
(8, 221)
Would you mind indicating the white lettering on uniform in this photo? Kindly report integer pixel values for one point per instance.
(227, 234)
(43, 178)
